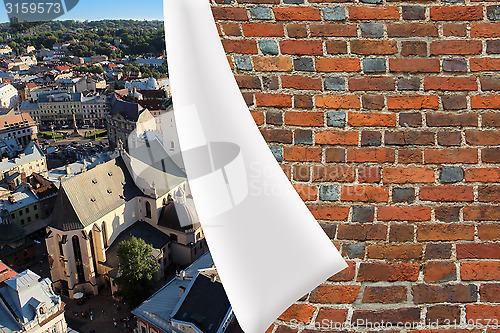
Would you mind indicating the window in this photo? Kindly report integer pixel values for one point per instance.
(20, 213)
(148, 210)
(29, 219)
(35, 207)
(27, 208)
(22, 221)
(36, 216)
(104, 235)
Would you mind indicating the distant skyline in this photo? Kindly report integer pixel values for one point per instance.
(94, 10)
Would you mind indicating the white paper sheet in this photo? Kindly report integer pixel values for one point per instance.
(268, 248)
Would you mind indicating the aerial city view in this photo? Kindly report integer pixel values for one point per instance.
(97, 234)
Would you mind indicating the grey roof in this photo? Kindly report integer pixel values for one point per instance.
(158, 308)
(139, 229)
(85, 198)
(31, 153)
(21, 295)
(128, 110)
(53, 97)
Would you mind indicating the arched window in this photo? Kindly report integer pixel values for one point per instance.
(78, 259)
(104, 235)
(148, 210)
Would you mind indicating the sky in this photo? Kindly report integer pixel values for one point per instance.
(109, 9)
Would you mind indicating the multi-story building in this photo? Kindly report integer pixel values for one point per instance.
(59, 107)
(28, 304)
(30, 161)
(16, 250)
(9, 97)
(95, 109)
(5, 50)
(20, 127)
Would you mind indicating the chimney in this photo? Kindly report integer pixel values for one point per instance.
(11, 199)
(67, 170)
(181, 290)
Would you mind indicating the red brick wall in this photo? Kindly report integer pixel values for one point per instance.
(385, 116)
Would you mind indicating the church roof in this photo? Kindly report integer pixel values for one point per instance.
(85, 198)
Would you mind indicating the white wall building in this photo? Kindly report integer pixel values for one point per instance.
(9, 97)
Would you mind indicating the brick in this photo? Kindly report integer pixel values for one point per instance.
(482, 213)
(456, 13)
(260, 13)
(300, 312)
(480, 271)
(336, 47)
(281, 329)
(413, 48)
(304, 118)
(386, 295)
(452, 293)
(335, 119)
(449, 139)
(302, 137)
(369, 174)
(493, 46)
(243, 63)
(276, 100)
(354, 251)
(451, 119)
(335, 155)
(301, 47)
(373, 102)
(412, 30)
(364, 193)
(268, 47)
(334, 294)
(447, 213)
(413, 12)
(373, 13)
(372, 47)
(455, 102)
(486, 30)
(482, 174)
(248, 81)
(270, 83)
(401, 233)
(409, 138)
(334, 13)
(402, 252)
(454, 65)
(331, 315)
(296, 30)
(447, 193)
(403, 194)
(362, 232)
(456, 47)
(489, 292)
(412, 83)
(378, 155)
(387, 272)
(337, 65)
(450, 83)
(491, 155)
(490, 193)
(329, 229)
(272, 64)
(408, 119)
(277, 152)
(400, 315)
(329, 192)
(303, 64)
(445, 232)
(231, 29)
(493, 13)
(303, 102)
(229, 13)
(334, 83)
(333, 173)
(333, 30)
(337, 138)
(451, 174)
(374, 65)
(297, 13)
(484, 64)
(490, 83)
(372, 30)
(362, 214)
(401, 175)
(482, 138)
(407, 156)
(277, 135)
(338, 102)
(443, 314)
(302, 154)
(329, 212)
(371, 83)
(480, 312)
(301, 172)
(454, 30)
(478, 251)
(437, 251)
(258, 117)
(439, 271)
(491, 120)
(404, 213)
(371, 138)
(414, 65)
(300, 82)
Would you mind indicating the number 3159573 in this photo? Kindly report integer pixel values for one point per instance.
(32, 8)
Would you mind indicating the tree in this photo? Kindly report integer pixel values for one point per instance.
(136, 271)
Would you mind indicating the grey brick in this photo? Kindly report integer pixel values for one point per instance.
(303, 137)
(371, 138)
(334, 83)
(274, 118)
(334, 14)
(294, 2)
(454, 65)
(454, 1)
(303, 64)
(375, 2)
(413, 12)
(354, 251)
(412, 83)
(374, 65)
(493, 13)
(260, 13)
(335, 119)
(277, 152)
(268, 47)
(451, 174)
(362, 214)
(329, 192)
(243, 63)
(403, 194)
(375, 30)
